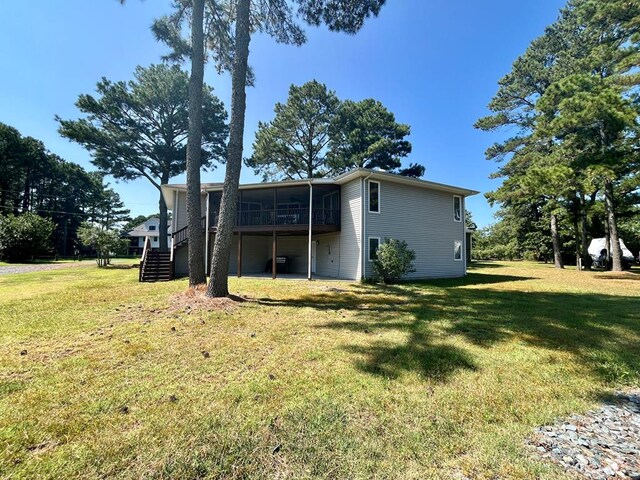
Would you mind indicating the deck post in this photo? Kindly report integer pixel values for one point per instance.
(274, 265)
(239, 254)
(310, 230)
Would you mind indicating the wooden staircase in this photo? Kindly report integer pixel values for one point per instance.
(155, 266)
(158, 266)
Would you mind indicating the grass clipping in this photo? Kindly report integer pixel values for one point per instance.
(195, 299)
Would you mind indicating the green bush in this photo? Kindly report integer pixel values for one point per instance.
(393, 260)
(106, 243)
(25, 236)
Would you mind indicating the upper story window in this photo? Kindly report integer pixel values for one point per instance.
(374, 196)
(152, 227)
(457, 208)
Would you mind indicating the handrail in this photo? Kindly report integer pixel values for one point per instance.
(182, 235)
(147, 246)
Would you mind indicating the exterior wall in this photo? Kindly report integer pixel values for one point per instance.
(256, 251)
(180, 262)
(350, 231)
(424, 219)
(328, 255)
(181, 212)
(297, 248)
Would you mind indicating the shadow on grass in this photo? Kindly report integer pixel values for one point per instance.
(601, 331)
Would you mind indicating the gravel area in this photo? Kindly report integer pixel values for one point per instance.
(602, 444)
(6, 269)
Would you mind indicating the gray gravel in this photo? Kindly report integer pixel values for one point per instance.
(602, 444)
(39, 267)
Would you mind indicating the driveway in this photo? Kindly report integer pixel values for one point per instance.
(39, 267)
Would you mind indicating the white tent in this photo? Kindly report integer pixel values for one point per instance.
(597, 245)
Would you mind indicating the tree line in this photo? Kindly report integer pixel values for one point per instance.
(572, 169)
(37, 182)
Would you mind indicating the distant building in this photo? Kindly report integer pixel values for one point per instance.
(151, 229)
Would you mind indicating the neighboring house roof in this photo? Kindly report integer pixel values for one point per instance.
(143, 231)
(339, 180)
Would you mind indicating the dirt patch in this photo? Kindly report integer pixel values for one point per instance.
(194, 299)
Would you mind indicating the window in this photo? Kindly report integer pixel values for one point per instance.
(457, 208)
(374, 243)
(374, 196)
(155, 239)
(152, 227)
(457, 250)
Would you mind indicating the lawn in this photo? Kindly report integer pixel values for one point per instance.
(103, 377)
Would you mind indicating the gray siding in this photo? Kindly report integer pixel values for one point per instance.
(181, 262)
(181, 212)
(424, 219)
(350, 231)
(297, 249)
(328, 255)
(256, 251)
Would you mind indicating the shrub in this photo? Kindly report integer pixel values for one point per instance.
(25, 236)
(105, 242)
(393, 260)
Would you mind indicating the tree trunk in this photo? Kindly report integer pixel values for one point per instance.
(555, 240)
(164, 223)
(218, 284)
(584, 244)
(615, 250)
(194, 146)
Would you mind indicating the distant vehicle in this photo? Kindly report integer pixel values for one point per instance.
(598, 251)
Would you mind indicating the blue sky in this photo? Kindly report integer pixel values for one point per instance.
(434, 63)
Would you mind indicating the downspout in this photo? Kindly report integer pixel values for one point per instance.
(310, 230)
(206, 237)
(464, 231)
(363, 224)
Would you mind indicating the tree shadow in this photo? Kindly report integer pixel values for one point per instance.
(601, 331)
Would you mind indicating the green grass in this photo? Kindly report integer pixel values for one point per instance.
(306, 379)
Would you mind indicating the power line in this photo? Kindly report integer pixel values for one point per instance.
(65, 197)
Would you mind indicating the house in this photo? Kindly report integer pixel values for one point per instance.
(151, 229)
(331, 227)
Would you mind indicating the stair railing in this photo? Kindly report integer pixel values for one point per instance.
(147, 248)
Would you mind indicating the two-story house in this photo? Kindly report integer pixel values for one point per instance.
(149, 229)
(331, 227)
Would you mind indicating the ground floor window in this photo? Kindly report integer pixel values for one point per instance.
(457, 250)
(374, 243)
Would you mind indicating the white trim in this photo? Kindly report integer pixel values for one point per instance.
(459, 197)
(368, 189)
(462, 254)
(206, 236)
(309, 269)
(369, 247)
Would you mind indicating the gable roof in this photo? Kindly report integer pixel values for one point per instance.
(142, 231)
(339, 180)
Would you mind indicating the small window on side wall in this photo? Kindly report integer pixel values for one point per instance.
(457, 208)
(374, 196)
(457, 250)
(374, 243)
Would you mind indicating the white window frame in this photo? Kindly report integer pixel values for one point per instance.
(454, 208)
(369, 248)
(369, 197)
(152, 228)
(461, 251)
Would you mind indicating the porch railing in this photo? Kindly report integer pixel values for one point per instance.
(282, 217)
(181, 236)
